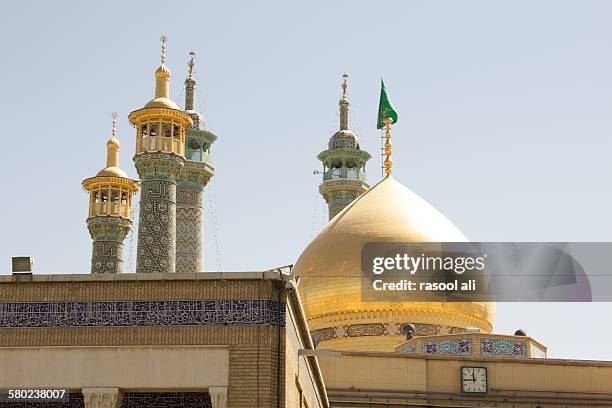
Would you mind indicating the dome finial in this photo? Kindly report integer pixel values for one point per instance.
(344, 84)
(113, 143)
(162, 74)
(112, 146)
(163, 40)
(190, 82)
(114, 116)
(344, 104)
(190, 63)
(388, 163)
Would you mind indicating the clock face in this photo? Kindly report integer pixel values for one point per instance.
(474, 379)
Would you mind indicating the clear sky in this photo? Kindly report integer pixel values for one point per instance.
(504, 122)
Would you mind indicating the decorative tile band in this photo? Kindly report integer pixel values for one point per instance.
(455, 347)
(166, 400)
(107, 228)
(382, 329)
(158, 166)
(142, 313)
(503, 348)
(409, 349)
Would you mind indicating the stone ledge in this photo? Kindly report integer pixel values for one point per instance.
(267, 275)
(419, 356)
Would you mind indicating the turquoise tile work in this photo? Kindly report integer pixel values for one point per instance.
(503, 348)
(409, 349)
(455, 347)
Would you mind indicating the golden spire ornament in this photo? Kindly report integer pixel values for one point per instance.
(190, 82)
(388, 163)
(112, 146)
(162, 74)
(114, 116)
(163, 40)
(344, 104)
(190, 63)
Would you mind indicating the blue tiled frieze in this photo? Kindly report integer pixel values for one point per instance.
(456, 347)
(142, 313)
(166, 400)
(409, 349)
(502, 348)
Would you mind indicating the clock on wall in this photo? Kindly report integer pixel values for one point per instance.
(474, 379)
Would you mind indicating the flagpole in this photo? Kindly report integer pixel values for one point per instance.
(382, 153)
(386, 116)
(388, 163)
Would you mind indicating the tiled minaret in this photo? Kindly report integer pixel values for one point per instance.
(160, 156)
(110, 210)
(190, 187)
(344, 163)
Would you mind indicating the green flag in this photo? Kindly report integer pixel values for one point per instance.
(385, 108)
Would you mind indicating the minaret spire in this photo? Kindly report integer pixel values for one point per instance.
(344, 105)
(162, 74)
(190, 83)
(190, 63)
(344, 162)
(114, 131)
(163, 40)
(112, 146)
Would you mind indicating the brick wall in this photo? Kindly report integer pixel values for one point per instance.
(253, 348)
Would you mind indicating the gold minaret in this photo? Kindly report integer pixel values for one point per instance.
(110, 209)
(160, 156)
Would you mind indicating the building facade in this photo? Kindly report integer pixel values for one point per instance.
(375, 379)
(158, 340)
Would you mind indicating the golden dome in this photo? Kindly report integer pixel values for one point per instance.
(112, 171)
(162, 102)
(330, 268)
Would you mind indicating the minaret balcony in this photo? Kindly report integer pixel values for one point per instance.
(110, 209)
(160, 130)
(344, 173)
(197, 147)
(110, 196)
(160, 144)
